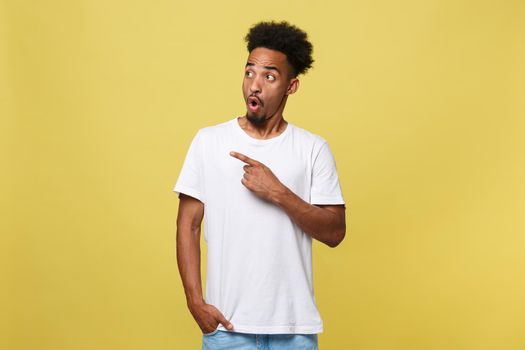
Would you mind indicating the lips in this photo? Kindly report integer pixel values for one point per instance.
(254, 103)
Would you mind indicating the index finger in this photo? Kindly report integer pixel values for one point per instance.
(243, 158)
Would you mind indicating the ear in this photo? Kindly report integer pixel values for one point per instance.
(292, 86)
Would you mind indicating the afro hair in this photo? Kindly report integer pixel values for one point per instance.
(283, 37)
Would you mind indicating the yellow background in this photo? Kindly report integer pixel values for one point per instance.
(422, 103)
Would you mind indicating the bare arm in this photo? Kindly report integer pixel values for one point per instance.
(189, 219)
(325, 223)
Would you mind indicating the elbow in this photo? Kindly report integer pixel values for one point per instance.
(336, 238)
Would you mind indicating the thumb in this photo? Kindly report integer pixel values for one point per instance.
(224, 321)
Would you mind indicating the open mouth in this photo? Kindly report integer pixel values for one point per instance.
(253, 103)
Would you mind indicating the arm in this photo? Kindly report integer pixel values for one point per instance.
(189, 219)
(325, 223)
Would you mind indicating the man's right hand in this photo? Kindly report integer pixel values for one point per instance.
(208, 317)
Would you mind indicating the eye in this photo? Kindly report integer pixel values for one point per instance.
(270, 77)
(248, 73)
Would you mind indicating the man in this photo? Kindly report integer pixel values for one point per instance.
(265, 188)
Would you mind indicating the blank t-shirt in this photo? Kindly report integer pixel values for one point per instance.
(259, 269)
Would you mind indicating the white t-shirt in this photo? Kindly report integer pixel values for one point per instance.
(259, 270)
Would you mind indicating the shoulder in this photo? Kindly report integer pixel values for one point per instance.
(314, 141)
(214, 130)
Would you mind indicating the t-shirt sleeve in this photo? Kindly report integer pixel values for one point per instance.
(190, 181)
(325, 187)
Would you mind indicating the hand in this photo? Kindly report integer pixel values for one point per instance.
(208, 317)
(258, 178)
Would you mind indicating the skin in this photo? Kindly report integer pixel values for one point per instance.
(269, 77)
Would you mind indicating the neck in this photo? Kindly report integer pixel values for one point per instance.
(270, 128)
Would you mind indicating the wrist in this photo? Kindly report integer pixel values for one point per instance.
(280, 195)
(194, 302)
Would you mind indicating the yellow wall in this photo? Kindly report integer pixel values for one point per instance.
(422, 102)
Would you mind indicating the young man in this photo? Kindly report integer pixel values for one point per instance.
(265, 188)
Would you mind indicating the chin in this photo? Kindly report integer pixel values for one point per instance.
(255, 119)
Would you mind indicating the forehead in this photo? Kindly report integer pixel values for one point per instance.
(267, 57)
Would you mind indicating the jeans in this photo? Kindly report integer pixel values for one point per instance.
(224, 340)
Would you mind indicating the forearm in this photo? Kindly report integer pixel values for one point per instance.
(189, 262)
(321, 224)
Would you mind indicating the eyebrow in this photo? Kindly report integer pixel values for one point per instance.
(267, 67)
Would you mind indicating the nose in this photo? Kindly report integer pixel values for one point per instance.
(255, 86)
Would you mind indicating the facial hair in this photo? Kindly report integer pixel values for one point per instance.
(257, 120)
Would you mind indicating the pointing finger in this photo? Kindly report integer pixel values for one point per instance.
(243, 158)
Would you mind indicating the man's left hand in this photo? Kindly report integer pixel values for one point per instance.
(258, 178)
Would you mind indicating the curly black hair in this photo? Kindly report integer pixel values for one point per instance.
(283, 37)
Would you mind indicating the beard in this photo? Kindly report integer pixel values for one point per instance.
(255, 120)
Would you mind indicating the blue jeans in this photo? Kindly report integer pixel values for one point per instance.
(223, 340)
